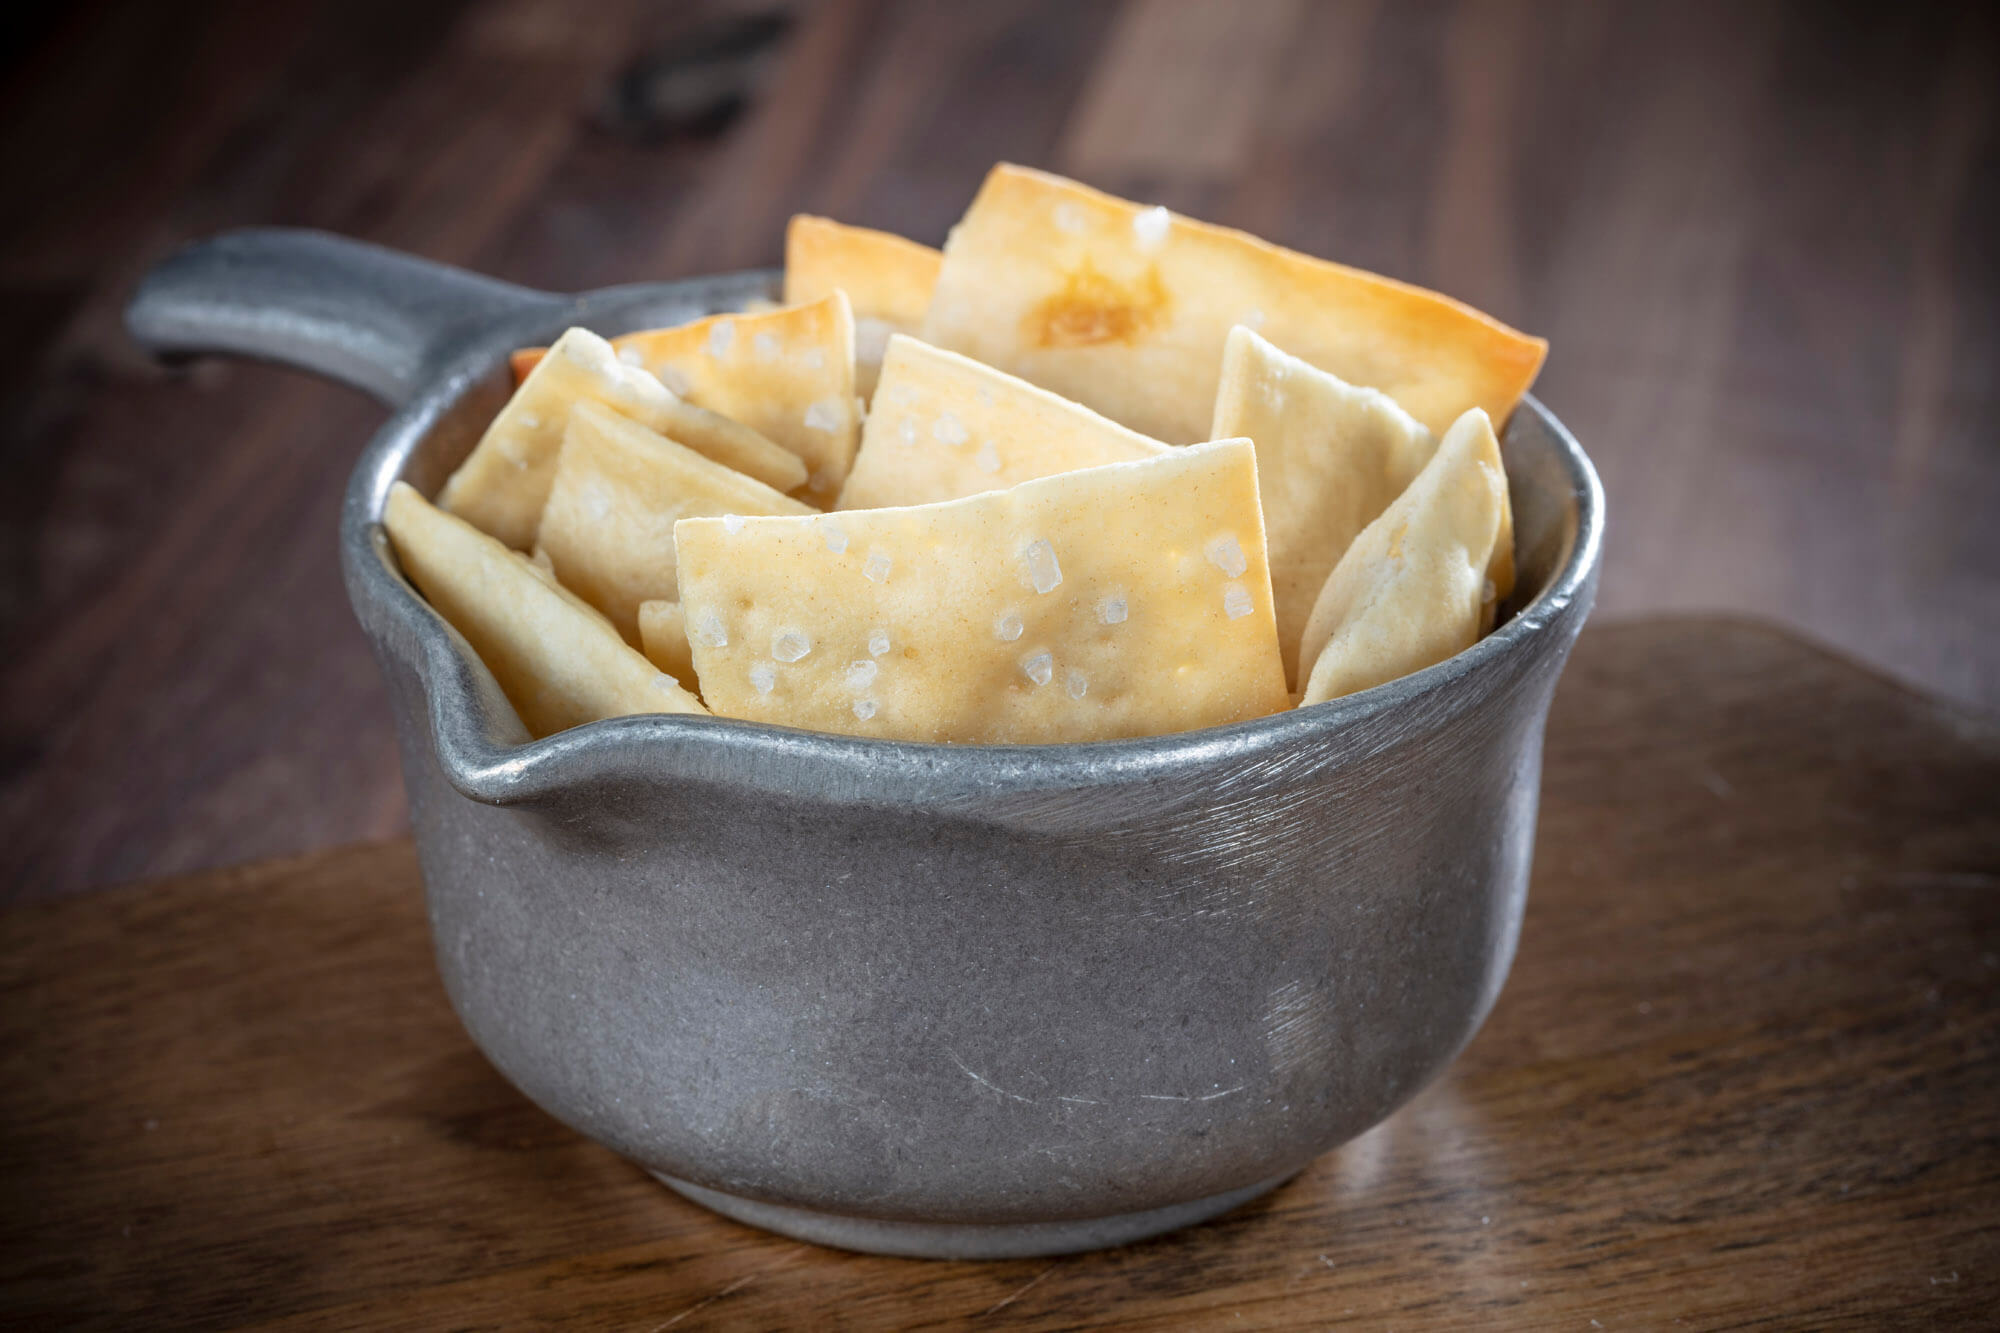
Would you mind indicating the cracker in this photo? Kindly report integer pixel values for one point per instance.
(787, 373)
(1124, 600)
(1413, 589)
(663, 638)
(1330, 458)
(887, 279)
(502, 484)
(1125, 309)
(608, 526)
(944, 426)
(558, 661)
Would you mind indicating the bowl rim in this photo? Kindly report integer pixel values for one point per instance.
(485, 755)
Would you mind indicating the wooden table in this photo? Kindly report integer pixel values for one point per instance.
(1746, 1072)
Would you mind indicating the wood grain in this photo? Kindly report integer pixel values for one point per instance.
(1758, 236)
(1744, 1074)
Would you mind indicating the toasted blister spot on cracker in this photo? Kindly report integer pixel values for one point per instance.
(861, 674)
(1111, 609)
(790, 645)
(1044, 571)
(1236, 602)
(1008, 627)
(764, 677)
(950, 430)
(1226, 554)
(1039, 667)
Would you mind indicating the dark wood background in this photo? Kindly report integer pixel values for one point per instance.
(1761, 238)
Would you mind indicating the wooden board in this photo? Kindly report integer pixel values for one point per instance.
(1746, 1071)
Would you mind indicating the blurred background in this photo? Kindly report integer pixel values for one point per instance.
(1761, 238)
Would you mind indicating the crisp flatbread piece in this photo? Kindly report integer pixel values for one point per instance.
(502, 484)
(787, 374)
(1413, 589)
(887, 279)
(945, 426)
(1124, 600)
(558, 661)
(663, 638)
(1330, 458)
(1125, 309)
(608, 526)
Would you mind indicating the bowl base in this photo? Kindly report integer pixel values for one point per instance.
(950, 1240)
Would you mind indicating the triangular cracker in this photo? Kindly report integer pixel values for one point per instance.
(1125, 600)
(944, 426)
(559, 662)
(1125, 309)
(1413, 589)
(608, 526)
(1330, 458)
(887, 279)
(787, 373)
(501, 485)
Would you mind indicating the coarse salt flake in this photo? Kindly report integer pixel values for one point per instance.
(1236, 602)
(878, 643)
(987, 459)
(1008, 627)
(1039, 667)
(1111, 610)
(864, 709)
(631, 356)
(950, 430)
(766, 345)
(835, 536)
(906, 431)
(677, 383)
(732, 523)
(789, 645)
(708, 627)
(824, 415)
(721, 337)
(812, 359)
(764, 676)
(1070, 218)
(877, 568)
(1075, 683)
(666, 684)
(1226, 554)
(1149, 227)
(860, 675)
(1043, 570)
(1489, 593)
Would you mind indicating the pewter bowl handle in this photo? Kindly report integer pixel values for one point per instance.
(379, 320)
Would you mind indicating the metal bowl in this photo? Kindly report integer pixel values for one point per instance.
(922, 999)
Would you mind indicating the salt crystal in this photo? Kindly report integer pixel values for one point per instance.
(1043, 570)
(950, 430)
(902, 395)
(1111, 610)
(860, 675)
(812, 358)
(789, 645)
(764, 676)
(878, 643)
(1075, 683)
(1252, 318)
(877, 568)
(666, 684)
(1008, 627)
(1489, 593)
(1040, 668)
(835, 535)
(1236, 601)
(1070, 218)
(987, 459)
(677, 383)
(1226, 554)
(721, 337)
(598, 503)
(630, 356)
(822, 479)
(1149, 227)
(864, 709)
(709, 627)
(732, 523)
(824, 415)
(530, 421)
(907, 431)
(766, 345)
